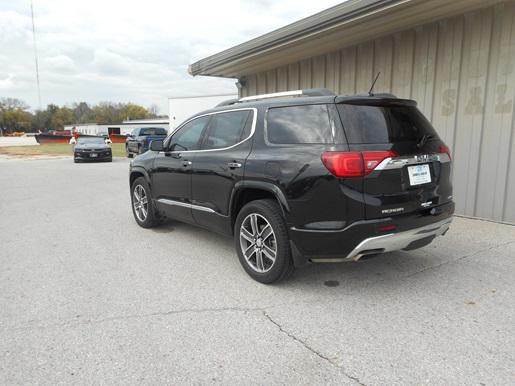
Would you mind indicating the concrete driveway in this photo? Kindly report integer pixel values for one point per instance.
(87, 296)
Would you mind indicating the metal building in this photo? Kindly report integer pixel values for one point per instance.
(455, 57)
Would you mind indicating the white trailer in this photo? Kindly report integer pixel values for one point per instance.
(181, 108)
(123, 128)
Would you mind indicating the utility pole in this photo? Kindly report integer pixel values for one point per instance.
(35, 55)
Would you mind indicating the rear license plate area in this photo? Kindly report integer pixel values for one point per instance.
(419, 174)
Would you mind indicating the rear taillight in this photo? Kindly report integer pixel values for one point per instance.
(354, 163)
(445, 149)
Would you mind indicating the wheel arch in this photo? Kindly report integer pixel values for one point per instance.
(247, 191)
(136, 173)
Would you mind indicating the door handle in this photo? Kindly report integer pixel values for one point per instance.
(234, 165)
(186, 163)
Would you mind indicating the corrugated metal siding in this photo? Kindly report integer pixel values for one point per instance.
(462, 73)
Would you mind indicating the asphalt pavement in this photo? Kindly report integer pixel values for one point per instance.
(89, 297)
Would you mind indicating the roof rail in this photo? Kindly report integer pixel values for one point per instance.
(307, 92)
(228, 102)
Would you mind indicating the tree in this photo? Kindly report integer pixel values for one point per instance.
(14, 115)
(82, 113)
(17, 120)
(132, 111)
(61, 117)
(12, 104)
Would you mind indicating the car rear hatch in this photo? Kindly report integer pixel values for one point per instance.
(405, 166)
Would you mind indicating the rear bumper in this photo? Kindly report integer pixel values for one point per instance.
(366, 237)
(412, 239)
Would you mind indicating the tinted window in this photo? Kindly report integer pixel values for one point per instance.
(90, 140)
(225, 129)
(377, 124)
(188, 136)
(299, 124)
(153, 131)
(248, 127)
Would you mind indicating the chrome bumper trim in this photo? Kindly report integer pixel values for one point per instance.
(398, 241)
(400, 162)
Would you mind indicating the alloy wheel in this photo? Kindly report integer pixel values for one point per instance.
(258, 243)
(140, 202)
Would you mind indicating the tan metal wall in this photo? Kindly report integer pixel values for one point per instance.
(462, 73)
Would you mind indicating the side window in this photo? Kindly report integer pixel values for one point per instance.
(225, 129)
(188, 136)
(248, 127)
(299, 125)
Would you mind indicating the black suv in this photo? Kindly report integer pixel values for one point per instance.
(301, 176)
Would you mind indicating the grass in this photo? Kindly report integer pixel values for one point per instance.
(53, 149)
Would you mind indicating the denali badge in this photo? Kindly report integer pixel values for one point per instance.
(426, 157)
(393, 210)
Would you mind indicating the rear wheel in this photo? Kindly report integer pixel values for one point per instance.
(262, 242)
(129, 154)
(142, 206)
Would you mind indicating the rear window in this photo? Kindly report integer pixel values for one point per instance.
(378, 124)
(307, 124)
(153, 131)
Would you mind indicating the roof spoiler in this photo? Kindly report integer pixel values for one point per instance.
(311, 92)
(383, 99)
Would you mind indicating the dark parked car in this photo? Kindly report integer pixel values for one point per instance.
(92, 149)
(139, 140)
(301, 179)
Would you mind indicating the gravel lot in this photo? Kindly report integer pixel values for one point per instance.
(87, 296)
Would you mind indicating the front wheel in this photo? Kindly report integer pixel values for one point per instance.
(262, 242)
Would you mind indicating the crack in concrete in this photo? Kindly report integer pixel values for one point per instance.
(78, 322)
(311, 349)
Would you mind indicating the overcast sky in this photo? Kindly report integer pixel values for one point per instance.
(138, 51)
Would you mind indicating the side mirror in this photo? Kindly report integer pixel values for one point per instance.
(156, 145)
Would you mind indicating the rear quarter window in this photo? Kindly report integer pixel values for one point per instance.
(307, 124)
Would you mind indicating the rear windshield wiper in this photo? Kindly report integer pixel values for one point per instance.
(424, 139)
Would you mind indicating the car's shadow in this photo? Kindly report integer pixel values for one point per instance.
(385, 270)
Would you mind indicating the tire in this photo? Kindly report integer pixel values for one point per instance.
(264, 270)
(129, 154)
(151, 218)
